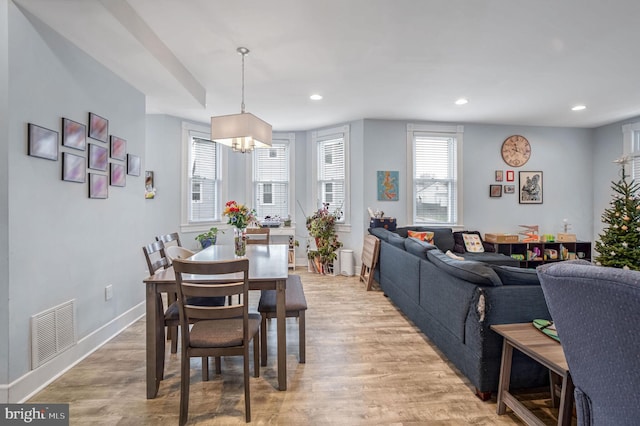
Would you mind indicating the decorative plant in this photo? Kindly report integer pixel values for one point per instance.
(239, 215)
(208, 238)
(322, 227)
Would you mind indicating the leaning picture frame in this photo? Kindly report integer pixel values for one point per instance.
(133, 165)
(73, 168)
(495, 191)
(98, 127)
(42, 142)
(74, 134)
(530, 187)
(98, 186)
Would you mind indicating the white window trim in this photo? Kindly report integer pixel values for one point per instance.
(205, 133)
(288, 138)
(344, 132)
(439, 130)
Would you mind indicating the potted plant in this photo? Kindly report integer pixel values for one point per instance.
(322, 227)
(208, 238)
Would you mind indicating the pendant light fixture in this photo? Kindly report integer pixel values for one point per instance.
(242, 132)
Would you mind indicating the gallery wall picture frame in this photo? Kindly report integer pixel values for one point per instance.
(98, 186)
(509, 189)
(133, 165)
(98, 157)
(118, 148)
(499, 175)
(117, 174)
(149, 185)
(42, 142)
(510, 176)
(388, 185)
(530, 187)
(73, 168)
(74, 134)
(98, 127)
(495, 191)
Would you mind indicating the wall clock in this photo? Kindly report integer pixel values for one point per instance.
(516, 150)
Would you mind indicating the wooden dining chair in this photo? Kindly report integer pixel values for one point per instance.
(258, 235)
(370, 253)
(169, 238)
(216, 331)
(177, 252)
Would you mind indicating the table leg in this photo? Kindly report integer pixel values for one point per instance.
(505, 376)
(282, 334)
(566, 401)
(155, 340)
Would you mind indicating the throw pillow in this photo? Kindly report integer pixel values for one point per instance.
(422, 235)
(473, 243)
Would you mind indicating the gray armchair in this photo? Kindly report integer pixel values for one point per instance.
(597, 314)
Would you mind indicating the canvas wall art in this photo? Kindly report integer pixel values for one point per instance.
(388, 185)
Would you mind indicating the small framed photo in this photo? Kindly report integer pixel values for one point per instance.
(498, 175)
(530, 187)
(73, 168)
(98, 157)
(118, 148)
(74, 134)
(98, 186)
(98, 127)
(42, 142)
(117, 174)
(495, 191)
(133, 165)
(510, 177)
(509, 189)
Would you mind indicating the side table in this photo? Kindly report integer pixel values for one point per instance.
(541, 348)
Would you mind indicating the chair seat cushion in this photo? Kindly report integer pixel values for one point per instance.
(294, 295)
(172, 311)
(221, 333)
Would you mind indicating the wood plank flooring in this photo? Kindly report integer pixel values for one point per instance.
(367, 364)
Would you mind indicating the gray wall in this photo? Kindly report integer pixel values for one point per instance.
(4, 198)
(64, 245)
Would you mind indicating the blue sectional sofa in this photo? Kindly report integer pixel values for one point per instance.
(454, 302)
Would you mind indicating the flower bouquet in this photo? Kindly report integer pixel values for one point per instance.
(240, 216)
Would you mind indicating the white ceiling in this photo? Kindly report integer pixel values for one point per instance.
(520, 62)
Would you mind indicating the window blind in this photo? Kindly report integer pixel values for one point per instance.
(331, 172)
(271, 180)
(203, 180)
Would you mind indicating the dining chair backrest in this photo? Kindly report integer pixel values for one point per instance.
(155, 256)
(258, 235)
(169, 238)
(177, 252)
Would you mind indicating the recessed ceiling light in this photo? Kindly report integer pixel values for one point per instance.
(315, 97)
(578, 108)
(462, 101)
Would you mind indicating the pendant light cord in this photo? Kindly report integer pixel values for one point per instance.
(242, 51)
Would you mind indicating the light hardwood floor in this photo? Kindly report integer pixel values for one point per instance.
(366, 364)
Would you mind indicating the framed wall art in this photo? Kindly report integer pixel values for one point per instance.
(149, 185)
(98, 127)
(74, 134)
(133, 165)
(530, 187)
(73, 168)
(98, 157)
(117, 174)
(118, 148)
(495, 191)
(42, 142)
(98, 186)
(509, 189)
(510, 176)
(498, 175)
(388, 185)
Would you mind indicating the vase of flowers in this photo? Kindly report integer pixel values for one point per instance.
(322, 227)
(240, 216)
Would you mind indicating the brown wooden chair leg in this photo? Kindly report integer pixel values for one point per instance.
(184, 388)
(263, 339)
(218, 365)
(205, 369)
(256, 356)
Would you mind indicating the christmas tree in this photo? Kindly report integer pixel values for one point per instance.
(619, 245)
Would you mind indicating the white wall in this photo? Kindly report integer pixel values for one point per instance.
(62, 244)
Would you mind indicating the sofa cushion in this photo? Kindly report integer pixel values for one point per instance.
(492, 258)
(421, 235)
(381, 233)
(442, 237)
(418, 248)
(396, 240)
(473, 243)
(459, 246)
(475, 272)
(512, 275)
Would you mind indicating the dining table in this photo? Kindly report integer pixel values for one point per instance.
(268, 270)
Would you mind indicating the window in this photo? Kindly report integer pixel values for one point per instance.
(201, 188)
(272, 180)
(434, 164)
(331, 170)
(631, 148)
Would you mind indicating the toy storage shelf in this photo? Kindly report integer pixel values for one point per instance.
(535, 254)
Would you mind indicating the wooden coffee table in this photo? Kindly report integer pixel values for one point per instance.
(541, 348)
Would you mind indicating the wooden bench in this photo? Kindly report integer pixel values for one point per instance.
(296, 304)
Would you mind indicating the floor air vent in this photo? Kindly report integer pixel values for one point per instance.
(52, 331)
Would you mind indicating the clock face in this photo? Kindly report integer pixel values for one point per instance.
(516, 150)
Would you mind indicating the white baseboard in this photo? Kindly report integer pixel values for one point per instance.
(23, 388)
